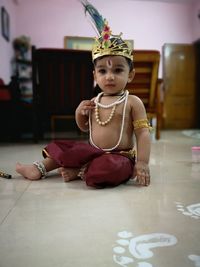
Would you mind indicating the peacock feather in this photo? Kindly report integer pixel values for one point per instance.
(96, 19)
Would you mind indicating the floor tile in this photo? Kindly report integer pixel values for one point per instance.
(49, 223)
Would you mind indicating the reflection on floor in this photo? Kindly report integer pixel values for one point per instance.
(49, 223)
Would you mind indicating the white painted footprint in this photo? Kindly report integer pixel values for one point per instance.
(139, 247)
(192, 210)
(195, 259)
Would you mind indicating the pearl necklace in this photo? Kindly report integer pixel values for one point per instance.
(124, 98)
(103, 123)
(113, 105)
(118, 101)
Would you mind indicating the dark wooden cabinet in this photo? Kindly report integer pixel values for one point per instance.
(62, 78)
(197, 103)
(179, 74)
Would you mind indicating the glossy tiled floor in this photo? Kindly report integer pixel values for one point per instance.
(49, 223)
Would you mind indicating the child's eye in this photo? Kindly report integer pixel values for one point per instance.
(102, 71)
(118, 70)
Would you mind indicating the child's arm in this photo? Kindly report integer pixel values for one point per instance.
(143, 143)
(141, 168)
(82, 114)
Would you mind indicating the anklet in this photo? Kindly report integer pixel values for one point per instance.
(40, 166)
(82, 171)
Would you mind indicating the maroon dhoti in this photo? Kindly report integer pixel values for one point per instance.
(103, 168)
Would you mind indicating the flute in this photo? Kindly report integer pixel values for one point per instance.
(5, 175)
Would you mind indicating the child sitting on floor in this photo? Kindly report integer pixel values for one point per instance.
(112, 118)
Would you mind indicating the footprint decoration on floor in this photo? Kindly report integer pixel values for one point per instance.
(140, 247)
(195, 259)
(192, 210)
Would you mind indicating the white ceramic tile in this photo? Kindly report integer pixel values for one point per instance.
(49, 223)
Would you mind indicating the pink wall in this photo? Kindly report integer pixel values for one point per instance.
(149, 24)
(6, 50)
(196, 20)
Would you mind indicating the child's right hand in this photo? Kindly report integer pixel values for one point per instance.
(85, 106)
(141, 173)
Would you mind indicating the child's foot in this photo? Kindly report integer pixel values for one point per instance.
(30, 172)
(68, 174)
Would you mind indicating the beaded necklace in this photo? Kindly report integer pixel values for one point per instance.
(113, 105)
(123, 98)
(118, 101)
(104, 123)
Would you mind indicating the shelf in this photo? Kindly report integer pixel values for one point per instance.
(23, 61)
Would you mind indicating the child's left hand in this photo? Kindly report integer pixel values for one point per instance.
(141, 173)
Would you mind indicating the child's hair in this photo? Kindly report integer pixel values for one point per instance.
(129, 62)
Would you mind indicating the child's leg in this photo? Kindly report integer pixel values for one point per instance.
(32, 172)
(108, 170)
(71, 155)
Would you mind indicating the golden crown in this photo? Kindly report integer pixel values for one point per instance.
(109, 44)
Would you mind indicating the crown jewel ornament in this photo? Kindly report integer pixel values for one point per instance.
(106, 44)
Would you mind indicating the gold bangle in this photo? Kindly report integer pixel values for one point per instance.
(142, 123)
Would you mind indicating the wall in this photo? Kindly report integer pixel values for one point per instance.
(6, 51)
(196, 21)
(149, 24)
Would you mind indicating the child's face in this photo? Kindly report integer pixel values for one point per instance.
(112, 74)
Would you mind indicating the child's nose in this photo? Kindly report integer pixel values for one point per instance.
(110, 76)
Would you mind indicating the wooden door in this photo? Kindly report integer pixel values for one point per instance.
(179, 83)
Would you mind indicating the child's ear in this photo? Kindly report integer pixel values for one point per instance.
(94, 75)
(131, 75)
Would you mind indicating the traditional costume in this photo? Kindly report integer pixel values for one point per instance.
(99, 167)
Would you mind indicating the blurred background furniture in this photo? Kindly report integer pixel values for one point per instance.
(62, 78)
(147, 86)
(11, 120)
(5, 105)
(181, 80)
